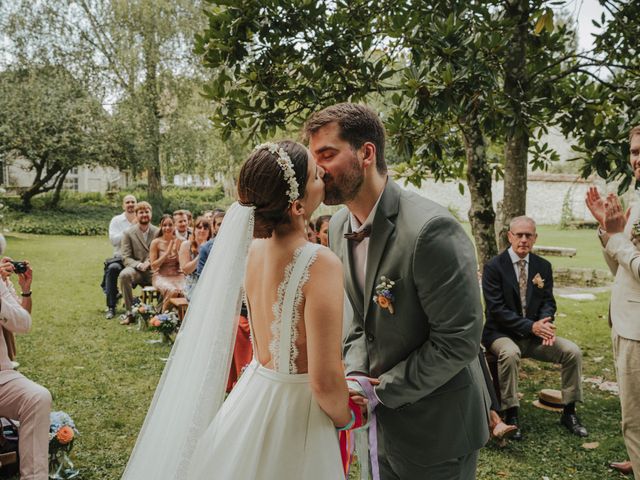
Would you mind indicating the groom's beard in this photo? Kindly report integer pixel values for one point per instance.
(342, 189)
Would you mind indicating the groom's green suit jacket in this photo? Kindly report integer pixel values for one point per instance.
(434, 399)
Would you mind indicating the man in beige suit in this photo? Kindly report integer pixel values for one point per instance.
(20, 398)
(620, 237)
(135, 256)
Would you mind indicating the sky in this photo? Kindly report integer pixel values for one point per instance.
(584, 11)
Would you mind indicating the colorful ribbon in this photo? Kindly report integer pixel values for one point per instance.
(367, 390)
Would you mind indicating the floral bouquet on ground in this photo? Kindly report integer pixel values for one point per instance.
(61, 434)
(166, 324)
(143, 313)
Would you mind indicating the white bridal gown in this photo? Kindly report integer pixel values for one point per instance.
(270, 427)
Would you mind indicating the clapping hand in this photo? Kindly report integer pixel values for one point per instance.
(172, 248)
(595, 204)
(614, 218)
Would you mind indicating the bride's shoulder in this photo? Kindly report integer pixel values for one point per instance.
(326, 263)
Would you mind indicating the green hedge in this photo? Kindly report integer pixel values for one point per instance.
(84, 220)
(90, 213)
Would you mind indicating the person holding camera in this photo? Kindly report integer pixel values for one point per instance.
(21, 398)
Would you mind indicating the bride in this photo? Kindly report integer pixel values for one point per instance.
(280, 420)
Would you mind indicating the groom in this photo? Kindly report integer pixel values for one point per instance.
(418, 329)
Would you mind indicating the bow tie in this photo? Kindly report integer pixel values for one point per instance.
(359, 236)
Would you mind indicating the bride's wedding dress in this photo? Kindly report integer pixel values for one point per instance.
(270, 427)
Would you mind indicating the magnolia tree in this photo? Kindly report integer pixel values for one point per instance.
(449, 77)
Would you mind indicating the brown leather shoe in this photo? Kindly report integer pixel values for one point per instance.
(622, 467)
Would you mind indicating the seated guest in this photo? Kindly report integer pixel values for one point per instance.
(518, 291)
(208, 215)
(312, 235)
(205, 249)
(181, 222)
(189, 222)
(167, 277)
(20, 398)
(216, 223)
(135, 256)
(322, 229)
(189, 251)
(113, 266)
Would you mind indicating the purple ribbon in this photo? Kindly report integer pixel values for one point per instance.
(367, 388)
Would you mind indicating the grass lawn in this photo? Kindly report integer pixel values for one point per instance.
(104, 375)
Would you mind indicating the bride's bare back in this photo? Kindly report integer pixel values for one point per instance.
(269, 262)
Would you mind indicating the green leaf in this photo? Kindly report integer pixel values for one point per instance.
(540, 24)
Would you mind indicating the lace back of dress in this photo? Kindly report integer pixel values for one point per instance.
(286, 310)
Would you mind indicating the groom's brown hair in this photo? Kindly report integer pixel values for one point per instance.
(358, 124)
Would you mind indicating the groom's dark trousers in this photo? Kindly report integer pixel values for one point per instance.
(432, 419)
(454, 469)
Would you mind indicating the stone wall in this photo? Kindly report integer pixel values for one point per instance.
(545, 196)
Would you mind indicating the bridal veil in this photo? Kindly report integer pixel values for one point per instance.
(192, 386)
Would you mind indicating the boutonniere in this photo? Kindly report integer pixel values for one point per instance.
(384, 294)
(538, 281)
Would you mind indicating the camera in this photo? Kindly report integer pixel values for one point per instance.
(19, 267)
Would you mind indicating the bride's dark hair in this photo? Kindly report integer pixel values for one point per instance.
(262, 184)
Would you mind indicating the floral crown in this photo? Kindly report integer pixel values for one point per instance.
(285, 163)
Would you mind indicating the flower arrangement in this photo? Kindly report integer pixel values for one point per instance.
(384, 294)
(62, 432)
(143, 313)
(166, 324)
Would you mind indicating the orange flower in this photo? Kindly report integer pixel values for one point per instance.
(65, 434)
(141, 309)
(383, 301)
(155, 322)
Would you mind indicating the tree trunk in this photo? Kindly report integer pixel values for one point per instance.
(517, 138)
(40, 182)
(151, 102)
(481, 214)
(26, 197)
(55, 199)
(515, 182)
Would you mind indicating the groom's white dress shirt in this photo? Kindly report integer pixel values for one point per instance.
(361, 249)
